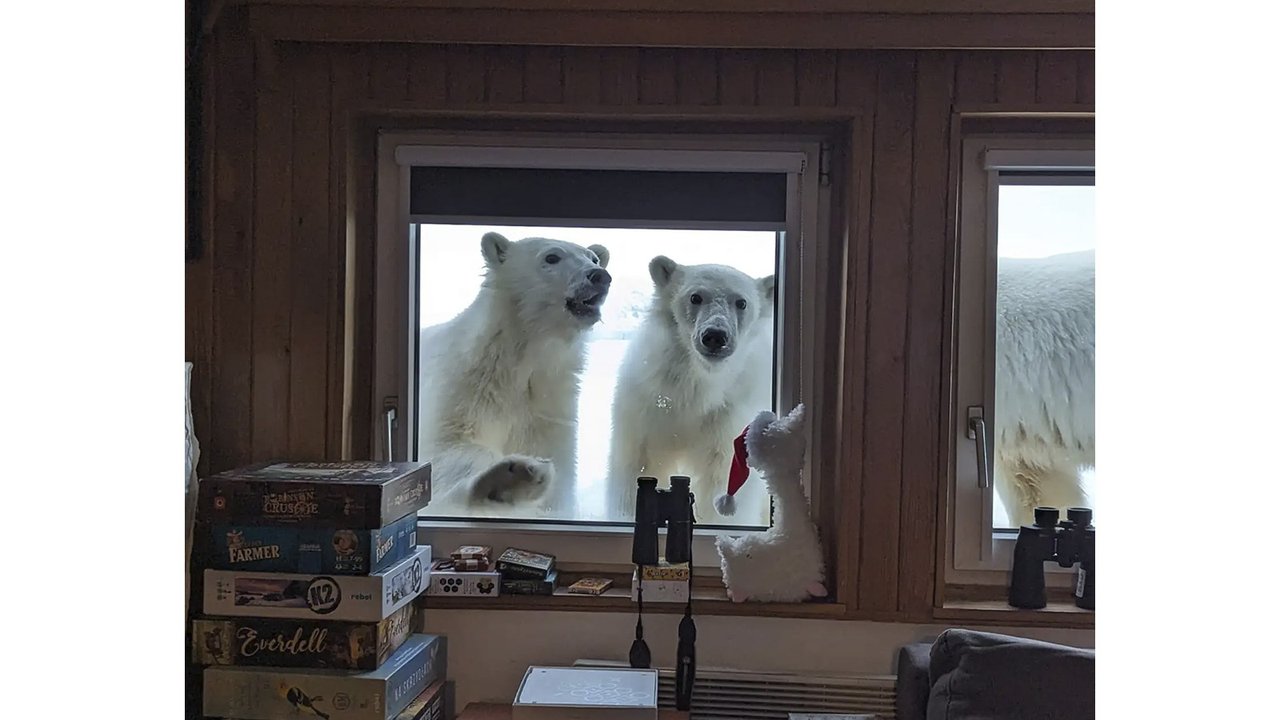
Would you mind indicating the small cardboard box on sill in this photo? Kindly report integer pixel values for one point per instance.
(663, 583)
(582, 693)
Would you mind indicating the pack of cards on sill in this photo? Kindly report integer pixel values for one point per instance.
(662, 583)
(310, 571)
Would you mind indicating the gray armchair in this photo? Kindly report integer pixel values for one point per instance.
(966, 675)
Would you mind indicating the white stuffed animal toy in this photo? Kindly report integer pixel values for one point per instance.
(783, 564)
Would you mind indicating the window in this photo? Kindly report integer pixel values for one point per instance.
(1024, 411)
(661, 285)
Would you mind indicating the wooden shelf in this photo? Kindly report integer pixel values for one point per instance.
(705, 602)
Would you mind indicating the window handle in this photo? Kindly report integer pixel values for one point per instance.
(978, 433)
(390, 415)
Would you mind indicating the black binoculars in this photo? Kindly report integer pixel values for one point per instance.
(656, 508)
(1068, 542)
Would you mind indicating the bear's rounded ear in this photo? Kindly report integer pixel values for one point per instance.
(661, 269)
(494, 248)
(767, 287)
(602, 253)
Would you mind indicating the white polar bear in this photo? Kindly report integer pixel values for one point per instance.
(698, 371)
(1044, 428)
(498, 384)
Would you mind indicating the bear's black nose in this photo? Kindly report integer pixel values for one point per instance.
(599, 276)
(714, 339)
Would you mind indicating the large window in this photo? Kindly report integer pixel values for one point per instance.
(558, 316)
(1024, 424)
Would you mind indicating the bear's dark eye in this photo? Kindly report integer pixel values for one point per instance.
(552, 259)
(595, 259)
(696, 299)
(742, 304)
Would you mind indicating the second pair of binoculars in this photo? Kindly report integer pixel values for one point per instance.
(656, 508)
(1069, 543)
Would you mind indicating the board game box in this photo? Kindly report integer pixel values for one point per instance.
(331, 551)
(354, 495)
(295, 596)
(524, 586)
(259, 693)
(517, 563)
(435, 703)
(300, 643)
(448, 582)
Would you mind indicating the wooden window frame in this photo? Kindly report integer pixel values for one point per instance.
(601, 548)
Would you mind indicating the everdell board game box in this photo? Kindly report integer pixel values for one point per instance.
(333, 551)
(274, 642)
(354, 495)
(295, 596)
(260, 693)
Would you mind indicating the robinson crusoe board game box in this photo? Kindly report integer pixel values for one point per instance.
(351, 495)
(256, 693)
(295, 596)
(330, 551)
(272, 642)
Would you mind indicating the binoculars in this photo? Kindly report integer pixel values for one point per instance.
(656, 508)
(1068, 542)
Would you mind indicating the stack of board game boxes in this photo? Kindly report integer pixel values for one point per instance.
(310, 572)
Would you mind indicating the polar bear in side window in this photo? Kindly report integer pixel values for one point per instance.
(698, 370)
(498, 384)
(1044, 428)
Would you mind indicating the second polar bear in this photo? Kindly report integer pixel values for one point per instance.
(698, 370)
(499, 382)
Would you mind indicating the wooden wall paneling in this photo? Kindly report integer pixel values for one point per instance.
(466, 65)
(696, 79)
(891, 205)
(619, 76)
(935, 75)
(343, 358)
(1084, 78)
(1016, 81)
(271, 261)
(428, 76)
(504, 75)
(855, 88)
(737, 77)
(389, 74)
(658, 84)
(776, 79)
(976, 78)
(544, 75)
(198, 287)
(230, 440)
(856, 81)
(1056, 77)
(816, 78)
(582, 76)
(308, 67)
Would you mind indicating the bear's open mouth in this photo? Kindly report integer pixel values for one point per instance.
(585, 306)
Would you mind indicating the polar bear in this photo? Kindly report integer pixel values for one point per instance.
(498, 384)
(1044, 429)
(697, 372)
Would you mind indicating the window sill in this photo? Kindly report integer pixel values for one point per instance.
(706, 601)
(988, 606)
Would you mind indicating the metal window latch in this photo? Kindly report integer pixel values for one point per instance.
(389, 414)
(978, 433)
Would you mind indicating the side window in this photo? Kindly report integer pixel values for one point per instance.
(1025, 353)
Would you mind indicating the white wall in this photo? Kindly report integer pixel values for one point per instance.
(490, 649)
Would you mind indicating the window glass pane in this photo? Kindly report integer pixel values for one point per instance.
(529, 374)
(1044, 360)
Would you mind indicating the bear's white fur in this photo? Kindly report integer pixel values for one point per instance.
(1044, 408)
(499, 382)
(680, 402)
(784, 563)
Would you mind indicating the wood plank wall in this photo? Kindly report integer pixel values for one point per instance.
(265, 299)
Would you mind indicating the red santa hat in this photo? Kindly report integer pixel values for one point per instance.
(738, 471)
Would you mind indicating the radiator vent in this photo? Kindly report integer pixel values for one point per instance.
(723, 694)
